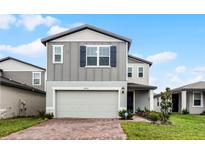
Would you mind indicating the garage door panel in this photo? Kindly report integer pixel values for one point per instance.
(87, 104)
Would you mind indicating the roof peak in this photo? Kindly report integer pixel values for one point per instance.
(140, 59)
(82, 27)
(21, 61)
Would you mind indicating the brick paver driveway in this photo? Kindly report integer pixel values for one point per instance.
(72, 129)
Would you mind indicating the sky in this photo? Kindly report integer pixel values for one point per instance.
(174, 43)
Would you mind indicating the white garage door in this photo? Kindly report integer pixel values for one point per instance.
(87, 104)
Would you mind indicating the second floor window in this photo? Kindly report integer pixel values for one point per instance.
(57, 53)
(36, 78)
(130, 72)
(98, 55)
(140, 72)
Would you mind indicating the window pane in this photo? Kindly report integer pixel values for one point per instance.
(129, 69)
(197, 96)
(197, 102)
(36, 75)
(104, 61)
(104, 51)
(129, 74)
(57, 58)
(36, 81)
(57, 50)
(91, 51)
(92, 61)
(140, 71)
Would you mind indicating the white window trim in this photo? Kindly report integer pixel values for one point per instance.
(98, 56)
(128, 71)
(60, 62)
(138, 72)
(201, 93)
(33, 79)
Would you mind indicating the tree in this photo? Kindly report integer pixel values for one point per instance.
(166, 105)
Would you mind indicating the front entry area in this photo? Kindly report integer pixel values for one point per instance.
(86, 104)
(175, 102)
(130, 100)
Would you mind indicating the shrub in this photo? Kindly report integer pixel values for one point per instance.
(154, 116)
(123, 113)
(49, 116)
(202, 113)
(146, 110)
(43, 115)
(139, 110)
(185, 111)
(166, 105)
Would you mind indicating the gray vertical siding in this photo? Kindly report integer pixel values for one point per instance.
(24, 77)
(70, 70)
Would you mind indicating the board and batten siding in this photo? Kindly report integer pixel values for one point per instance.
(70, 70)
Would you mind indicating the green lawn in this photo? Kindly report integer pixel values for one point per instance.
(183, 127)
(8, 126)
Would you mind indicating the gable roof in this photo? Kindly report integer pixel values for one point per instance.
(7, 82)
(193, 86)
(139, 59)
(86, 26)
(11, 58)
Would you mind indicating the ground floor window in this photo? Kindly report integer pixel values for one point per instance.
(197, 99)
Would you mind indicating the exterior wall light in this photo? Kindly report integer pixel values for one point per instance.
(123, 90)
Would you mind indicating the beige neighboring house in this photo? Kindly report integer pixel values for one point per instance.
(22, 91)
(90, 74)
(190, 97)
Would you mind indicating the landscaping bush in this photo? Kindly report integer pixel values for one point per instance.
(202, 113)
(185, 111)
(43, 115)
(154, 116)
(123, 113)
(166, 105)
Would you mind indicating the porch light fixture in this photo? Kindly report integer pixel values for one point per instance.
(123, 90)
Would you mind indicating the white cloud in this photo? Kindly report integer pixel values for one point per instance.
(162, 57)
(30, 22)
(199, 69)
(195, 79)
(57, 29)
(31, 49)
(6, 21)
(181, 69)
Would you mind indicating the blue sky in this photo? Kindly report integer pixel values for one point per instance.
(175, 43)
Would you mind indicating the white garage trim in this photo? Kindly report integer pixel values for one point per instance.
(81, 88)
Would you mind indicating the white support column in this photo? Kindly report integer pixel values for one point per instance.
(151, 100)
(183, 100)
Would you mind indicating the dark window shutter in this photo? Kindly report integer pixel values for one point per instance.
(82, 56)
(113, 56)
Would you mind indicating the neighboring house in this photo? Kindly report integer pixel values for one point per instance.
(90, 75)
(21, 88)
(190, 97)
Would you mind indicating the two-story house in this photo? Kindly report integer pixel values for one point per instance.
(90, 75)
(21, 88)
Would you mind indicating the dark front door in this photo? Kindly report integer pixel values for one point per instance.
(175, 102)
(130, 101)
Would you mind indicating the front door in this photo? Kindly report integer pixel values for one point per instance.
(175, 102)
(130, 101)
